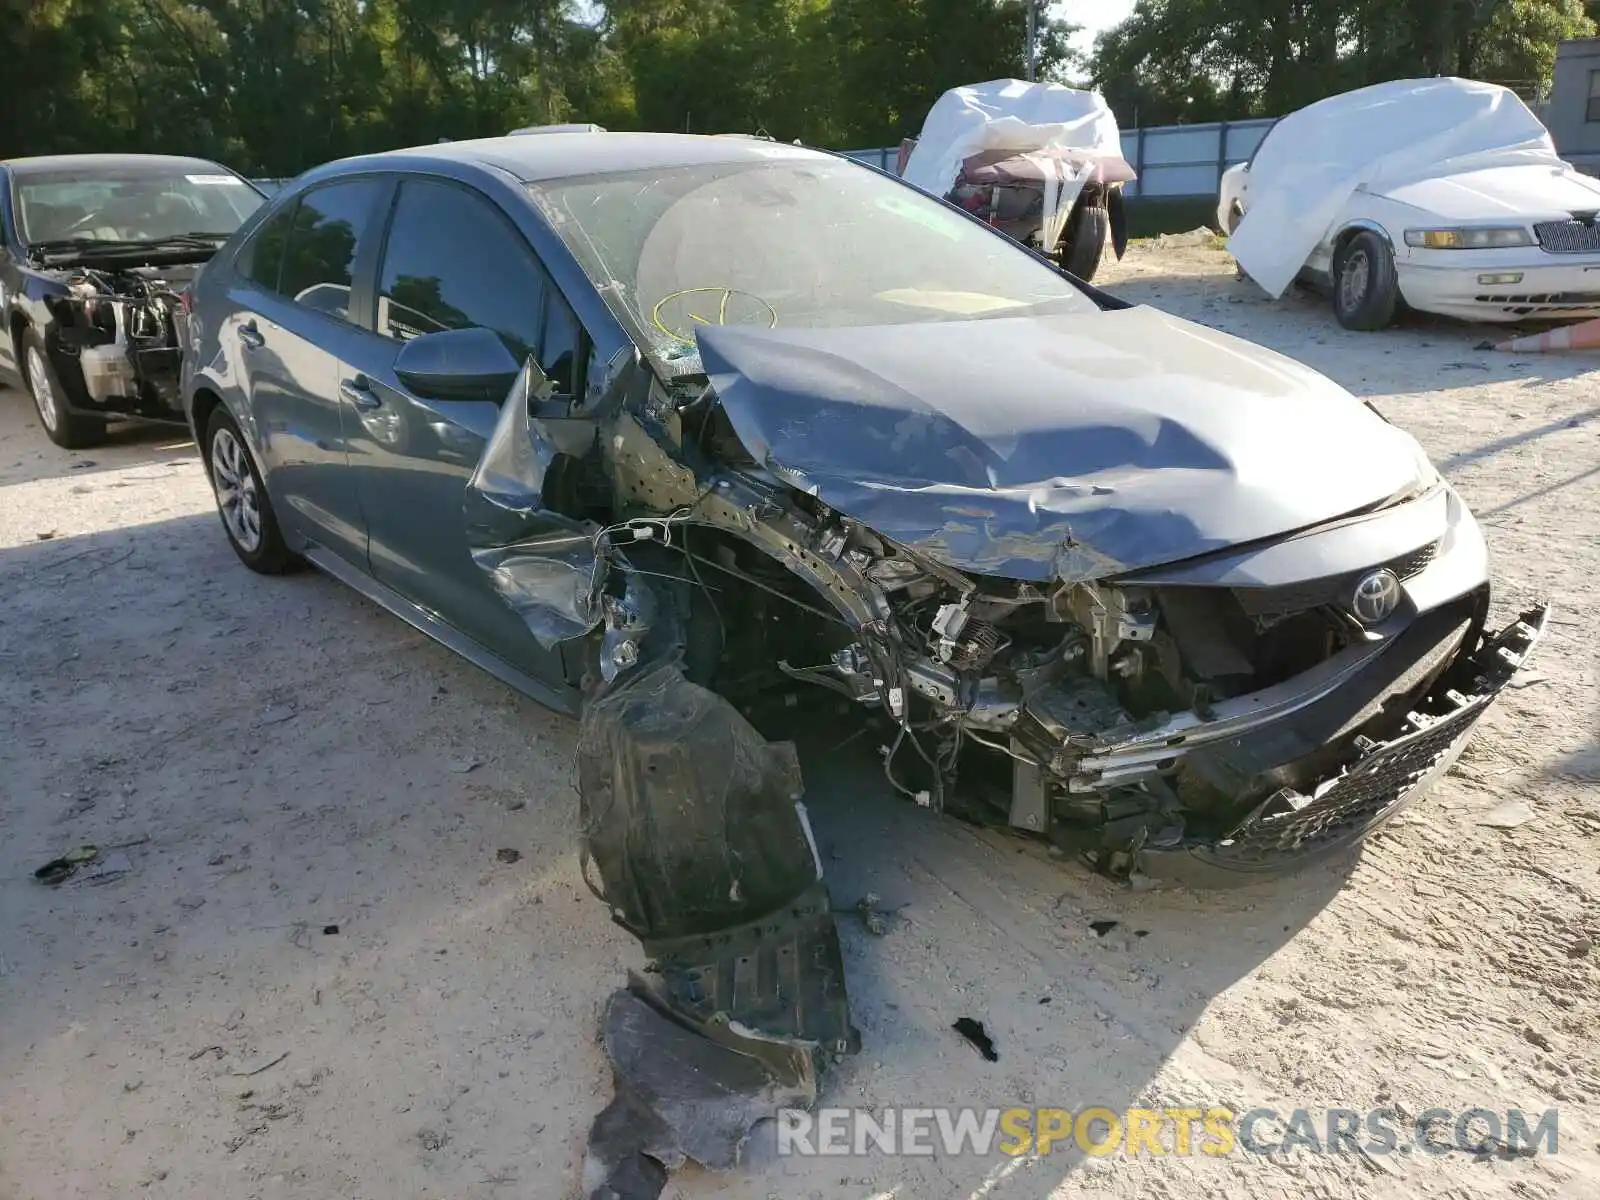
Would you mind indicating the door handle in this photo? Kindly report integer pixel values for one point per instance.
(250, 337)
(359, 392)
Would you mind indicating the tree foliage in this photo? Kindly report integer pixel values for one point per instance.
(276, 86)
(1205, 60)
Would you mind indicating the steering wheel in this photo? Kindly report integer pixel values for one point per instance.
(729, 305)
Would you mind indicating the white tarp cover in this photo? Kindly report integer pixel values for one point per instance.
(1378, 137)
(1011, 114)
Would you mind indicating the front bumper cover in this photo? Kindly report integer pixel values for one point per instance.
(1292, 830)
(1549, 287)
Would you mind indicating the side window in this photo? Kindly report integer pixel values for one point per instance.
(559, 349)
(454, 262)
(324, 238)
(261, 261)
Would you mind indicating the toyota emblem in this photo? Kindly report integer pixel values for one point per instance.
(1376, 597)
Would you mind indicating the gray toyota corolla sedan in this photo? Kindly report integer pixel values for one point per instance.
(645, 424)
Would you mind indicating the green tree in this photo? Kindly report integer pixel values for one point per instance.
(277, 86)
(1201, 60)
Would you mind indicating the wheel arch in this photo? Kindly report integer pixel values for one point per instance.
(1358, 226)
(204, 402)
(16, 325)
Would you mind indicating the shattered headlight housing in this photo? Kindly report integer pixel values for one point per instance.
(1491, 237)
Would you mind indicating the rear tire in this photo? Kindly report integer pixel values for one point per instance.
(1366, 290)
(67, 429)
(242, 500)
(1085, 242)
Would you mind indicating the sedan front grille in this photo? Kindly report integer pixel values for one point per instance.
(1357, 801)
(1567, 237)
(1335, 590)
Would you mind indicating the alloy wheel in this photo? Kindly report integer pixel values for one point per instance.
(44, 396)
(234, 482)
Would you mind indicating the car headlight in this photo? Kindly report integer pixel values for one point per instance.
(1474, 238)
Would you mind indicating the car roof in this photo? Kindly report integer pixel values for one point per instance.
(557, 155)
(50, 163)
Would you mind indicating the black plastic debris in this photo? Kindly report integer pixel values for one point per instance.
(693, 824)
(507, 855)
(683, 1092)
(330, 930)
(975, 1033)
(1101, 928)
(57, 870)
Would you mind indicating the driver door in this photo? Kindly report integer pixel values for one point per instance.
(452, 260)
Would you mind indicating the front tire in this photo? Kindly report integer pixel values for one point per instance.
(1366, 290)
(242, 502)
(67, 429)
(1085, 243)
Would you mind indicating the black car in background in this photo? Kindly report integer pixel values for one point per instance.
(95, 253)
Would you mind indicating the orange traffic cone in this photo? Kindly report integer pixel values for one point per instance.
(1585, 335)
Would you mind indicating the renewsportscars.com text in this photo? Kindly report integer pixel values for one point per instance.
(1211, 1131)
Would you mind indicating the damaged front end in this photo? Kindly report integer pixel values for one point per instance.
(1214, 623)
(1177, 656)
(115, 338)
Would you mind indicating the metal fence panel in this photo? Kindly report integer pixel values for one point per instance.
(1244, 137)
(883, 158)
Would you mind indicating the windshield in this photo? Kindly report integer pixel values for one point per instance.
(130, 204)
(796, 243)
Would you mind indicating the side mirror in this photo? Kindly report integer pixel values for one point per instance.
(457, 364)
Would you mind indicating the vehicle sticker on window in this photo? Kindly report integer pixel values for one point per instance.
(215, 180)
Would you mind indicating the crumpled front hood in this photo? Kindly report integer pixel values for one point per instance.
(1078, 446)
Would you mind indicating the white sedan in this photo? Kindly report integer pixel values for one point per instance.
(1476, 218)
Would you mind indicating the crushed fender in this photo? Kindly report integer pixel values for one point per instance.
(542, 564)
(694, 825)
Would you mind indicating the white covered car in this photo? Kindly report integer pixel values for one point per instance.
(1444, 195)
(1040, 162)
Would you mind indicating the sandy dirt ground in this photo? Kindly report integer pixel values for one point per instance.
(315, 977)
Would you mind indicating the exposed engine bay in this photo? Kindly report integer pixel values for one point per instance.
(120, 326)
(1128, 719)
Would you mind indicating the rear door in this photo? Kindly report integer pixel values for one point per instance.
(452, 260)
(292, 310)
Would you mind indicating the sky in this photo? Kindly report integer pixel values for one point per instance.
(1093, 15)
